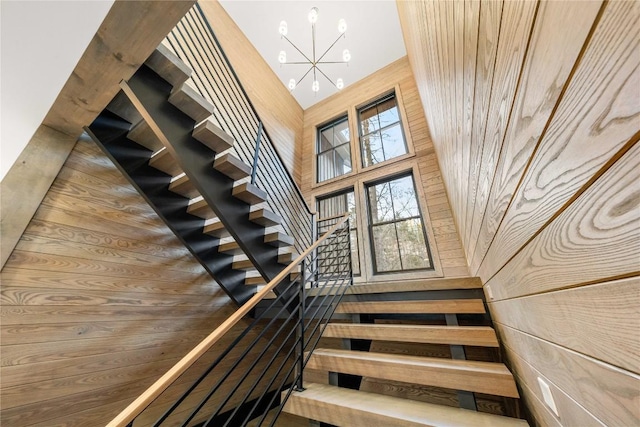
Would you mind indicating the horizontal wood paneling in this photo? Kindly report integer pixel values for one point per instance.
(98, 300)
(552, 225)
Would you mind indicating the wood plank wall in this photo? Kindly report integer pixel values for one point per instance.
(98, 300)
(535, 116)
(278, 109)
(398, 75)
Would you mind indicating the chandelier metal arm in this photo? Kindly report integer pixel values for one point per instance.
(325, 76)
(305, 74)
(329, 48)
(296, 48)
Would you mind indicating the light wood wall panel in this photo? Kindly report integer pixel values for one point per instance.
(278, 109)
(98, 300)
(551, 224)
(398, 74)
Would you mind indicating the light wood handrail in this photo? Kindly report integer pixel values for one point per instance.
(149, 395)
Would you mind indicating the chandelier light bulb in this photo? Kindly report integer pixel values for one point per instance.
(283, 28)
(315, 86)
(313, 15)
(282, 58)
(339, 84)
(342, 26)
(346, 55)
(292, 84)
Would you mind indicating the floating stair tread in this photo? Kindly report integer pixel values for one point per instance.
(254, 281)
(459, 306)
(249, 193)
(286, 257)
(190, 102)
(243, 264)
(215, 228)
(210, 134)
(183, 186)
(353, 408)
(168, 66)
(201, 209)
(143, 135)
(164, 161)
(421, 285)
(232, 167)
(278, 239)
(230, 248)
(480, 377)
(453, 335)
(264, 217)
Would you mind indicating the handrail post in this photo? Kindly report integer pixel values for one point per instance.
(256, 155)
(301, 308)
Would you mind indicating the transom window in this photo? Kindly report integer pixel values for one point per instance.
(334, 152)
(381, 136)
(337, 205)
(397, 233)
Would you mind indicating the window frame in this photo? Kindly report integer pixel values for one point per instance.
(371, 225)
(319, 129)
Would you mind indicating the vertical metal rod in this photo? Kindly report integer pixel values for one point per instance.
(256, 155)
(301, 308)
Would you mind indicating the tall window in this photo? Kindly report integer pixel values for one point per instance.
(339, 204)
(334, 153)
(381, 136)
(398, 237)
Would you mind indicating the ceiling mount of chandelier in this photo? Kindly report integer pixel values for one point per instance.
(314, 60)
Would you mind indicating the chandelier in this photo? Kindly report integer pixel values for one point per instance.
(313, 60)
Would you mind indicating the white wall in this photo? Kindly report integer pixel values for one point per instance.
(41, 42)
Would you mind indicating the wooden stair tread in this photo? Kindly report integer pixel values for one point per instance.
(144, 135)
(278, 239)
(230, 247)
(243, 264)
(453, 335)
(254, 281)
(190, 102)
(212, 136)
(164, 161)
(419, 285)
(201, 209)
(215, 228)
(249, 193)
(168, 66)
(346, 407)
(264, 217)
(182, 185)
(232, 167)
(466, 306)
(480, 377)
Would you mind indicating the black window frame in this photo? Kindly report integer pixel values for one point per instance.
(376, 102)
(370, 224)
(333, 149)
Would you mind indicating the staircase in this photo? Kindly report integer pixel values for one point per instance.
(159, 132)
(383, 373)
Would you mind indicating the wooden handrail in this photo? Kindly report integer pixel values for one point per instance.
(149, 395)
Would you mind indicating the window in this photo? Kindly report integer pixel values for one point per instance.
(397, 233)
(381, 136)
(339, 204)
(334, 152)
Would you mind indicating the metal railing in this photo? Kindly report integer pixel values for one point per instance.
(264, 362)
(193, 41)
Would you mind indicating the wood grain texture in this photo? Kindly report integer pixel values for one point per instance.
(427, 306)
(596, 237)
(596, 117)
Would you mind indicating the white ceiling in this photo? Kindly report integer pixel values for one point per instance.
(373, 37)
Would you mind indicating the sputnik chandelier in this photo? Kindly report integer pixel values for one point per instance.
(315, 60)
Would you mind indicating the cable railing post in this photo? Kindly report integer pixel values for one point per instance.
(301, 310)
(256, 155)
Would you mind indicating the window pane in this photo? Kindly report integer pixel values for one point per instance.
(372, 152)
(340, 204)
(403, 194)
(355, 259)
(325, 166)
(386, 248)
(341, 133)
(343, 159)
(388, 112)
(380, 203)
(393, 142)
(413, 249)
(369, 120)
(325, 140)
